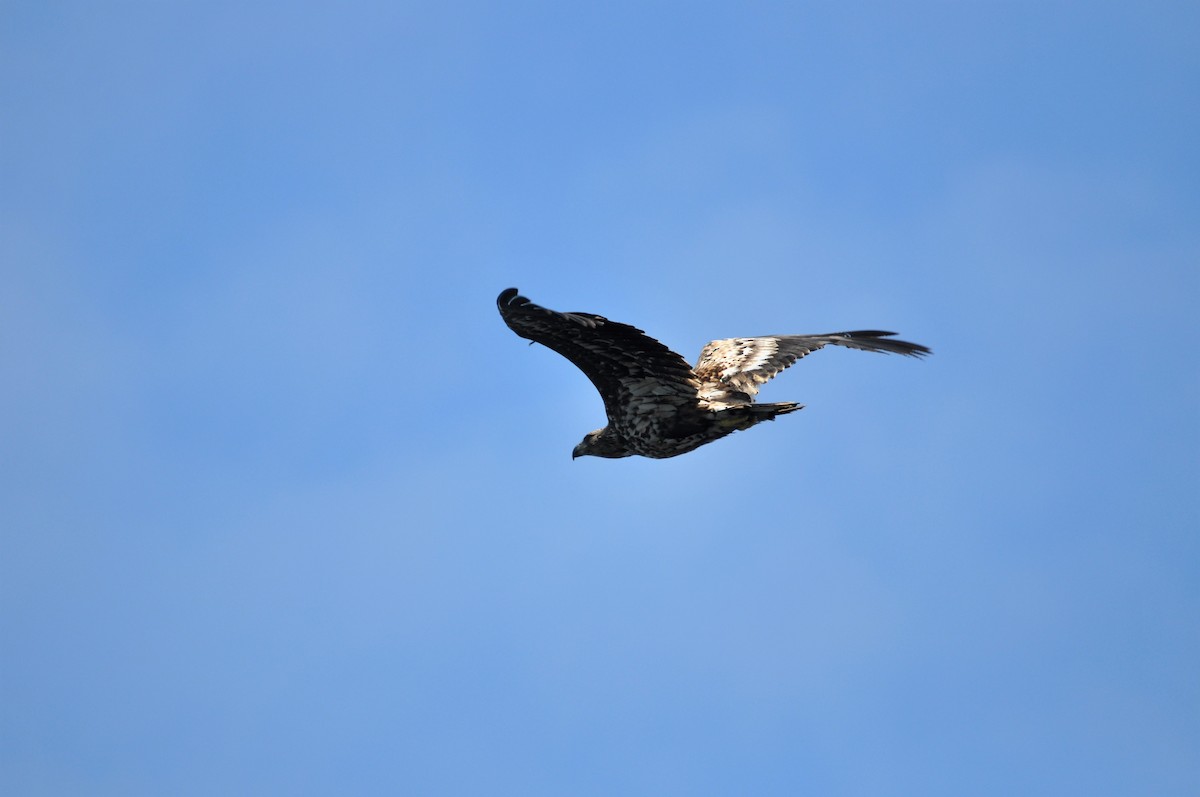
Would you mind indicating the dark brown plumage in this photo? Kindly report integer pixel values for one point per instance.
(659, 406)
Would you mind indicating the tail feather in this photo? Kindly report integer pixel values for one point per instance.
(772, 409)
(743, 417)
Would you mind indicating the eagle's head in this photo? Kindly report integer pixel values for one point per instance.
(601, 443)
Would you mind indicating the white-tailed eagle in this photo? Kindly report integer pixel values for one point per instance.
(659, 406)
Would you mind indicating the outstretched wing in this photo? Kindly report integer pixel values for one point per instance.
(746, 363)
(626, 365)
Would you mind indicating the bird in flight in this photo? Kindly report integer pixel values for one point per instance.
(658, 406)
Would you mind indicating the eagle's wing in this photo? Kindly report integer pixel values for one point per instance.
(625, 364)
(746, 363)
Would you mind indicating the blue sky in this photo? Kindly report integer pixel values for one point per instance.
(286, 509)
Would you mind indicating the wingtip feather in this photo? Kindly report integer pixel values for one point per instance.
(883, 342)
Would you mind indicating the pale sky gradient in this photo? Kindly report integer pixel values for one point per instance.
(286, 509)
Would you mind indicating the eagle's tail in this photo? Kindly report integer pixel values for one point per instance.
(747, 415)
(771, 410)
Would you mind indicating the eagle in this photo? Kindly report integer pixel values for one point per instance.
(658, 406)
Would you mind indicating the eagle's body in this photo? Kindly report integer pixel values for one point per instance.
(658, 406)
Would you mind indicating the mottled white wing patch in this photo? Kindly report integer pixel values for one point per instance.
(743, 364)
(743, 355)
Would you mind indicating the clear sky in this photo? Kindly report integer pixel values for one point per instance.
(286, 509)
